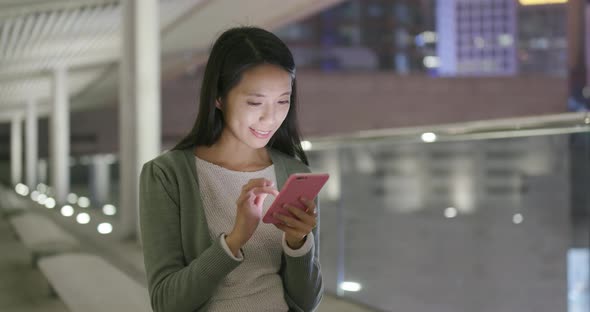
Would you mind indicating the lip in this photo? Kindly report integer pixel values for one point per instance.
(260, 136)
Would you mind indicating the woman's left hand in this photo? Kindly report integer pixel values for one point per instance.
(297, 228)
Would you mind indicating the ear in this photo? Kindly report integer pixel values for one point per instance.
(218, 104)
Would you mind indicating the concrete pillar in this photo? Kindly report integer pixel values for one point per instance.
(139, 104)
(587, 40)
(59, 148)
(42, 171)
(16, 150)
(576, 36)
(32, 144)
(100, 180)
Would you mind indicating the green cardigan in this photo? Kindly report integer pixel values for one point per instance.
(184, 265)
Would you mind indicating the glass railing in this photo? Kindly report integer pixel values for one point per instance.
(483, 216)
(471, 217)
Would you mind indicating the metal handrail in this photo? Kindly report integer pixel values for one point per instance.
(555, 124)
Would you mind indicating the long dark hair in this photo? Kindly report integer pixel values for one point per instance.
(235, 51)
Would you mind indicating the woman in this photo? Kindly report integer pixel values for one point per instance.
(205, 248)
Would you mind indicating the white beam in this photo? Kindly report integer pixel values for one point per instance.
(61, 19)
(23, 7)
(34, 66)
(39, 22)
(4, 37)
(14, 34)
(9, 109)
(72, 18)
(48, 23)
(216, 16)
(25, 34)
(91, 22)
(15, 92)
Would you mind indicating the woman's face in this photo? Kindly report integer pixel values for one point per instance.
(256, 107)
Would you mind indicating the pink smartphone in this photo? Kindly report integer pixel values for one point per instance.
(298, 185)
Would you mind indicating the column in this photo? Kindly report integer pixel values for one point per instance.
(100, 180)
(42, 171)
(32, 146)
(576, 36)
(16, 150)
(139, 104)
(579, 143)
(59, 148)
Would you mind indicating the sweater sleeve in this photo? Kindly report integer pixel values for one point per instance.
(302, 277)
(173, 284)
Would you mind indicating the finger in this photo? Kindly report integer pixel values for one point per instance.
(259, 199)
(260, 182)
(251, 198)
(265, 190)
(248, 199)
(311, 220)
(290, 231)
(243, 197)
(294, 223)
(310, 204)
(252, 183)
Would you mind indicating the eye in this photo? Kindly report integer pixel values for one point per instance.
(284, 102)
(254, 104)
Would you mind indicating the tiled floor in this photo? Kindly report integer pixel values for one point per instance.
(22, 288)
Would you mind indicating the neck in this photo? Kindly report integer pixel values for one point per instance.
(235, 155)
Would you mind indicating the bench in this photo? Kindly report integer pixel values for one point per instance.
(10, 203)
(87, 283)
(41, 236)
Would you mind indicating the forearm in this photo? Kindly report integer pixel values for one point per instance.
(189, 288)
(302, 275)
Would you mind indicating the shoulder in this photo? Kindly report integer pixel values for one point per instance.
(290, 163)
(168, 171)
(169, 160)
(168, 166)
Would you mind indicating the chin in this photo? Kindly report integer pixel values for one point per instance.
(259, 145)
(256, 144)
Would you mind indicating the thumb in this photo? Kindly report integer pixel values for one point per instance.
(260, 198)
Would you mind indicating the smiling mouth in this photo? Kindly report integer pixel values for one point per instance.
(261, 132)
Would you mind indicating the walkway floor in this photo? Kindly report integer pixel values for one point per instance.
(24, 289)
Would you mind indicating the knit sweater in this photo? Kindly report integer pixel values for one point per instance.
(186, 267)
(255, 285)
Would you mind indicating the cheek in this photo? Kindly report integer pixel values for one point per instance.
(237, 115)
(283, 113)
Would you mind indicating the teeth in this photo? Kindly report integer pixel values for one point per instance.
(263, 133)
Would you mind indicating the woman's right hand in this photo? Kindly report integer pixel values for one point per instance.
(249, 212)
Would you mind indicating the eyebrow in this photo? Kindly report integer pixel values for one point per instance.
(262, 95)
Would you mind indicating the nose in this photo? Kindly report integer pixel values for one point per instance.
(268, 115)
